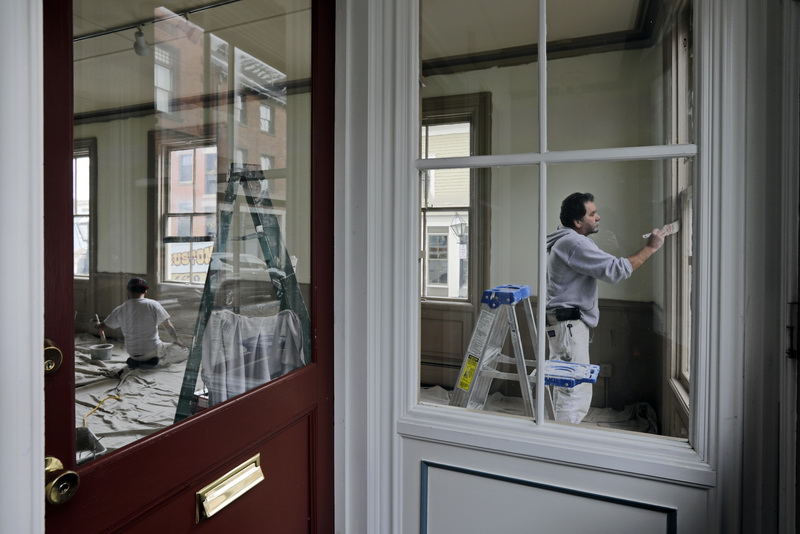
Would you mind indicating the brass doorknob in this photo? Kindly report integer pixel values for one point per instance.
(52, 357)
(59, 484)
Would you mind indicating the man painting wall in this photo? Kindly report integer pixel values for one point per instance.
(574, 264)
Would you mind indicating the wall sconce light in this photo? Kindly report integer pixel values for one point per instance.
(140, 46)
(460, 228)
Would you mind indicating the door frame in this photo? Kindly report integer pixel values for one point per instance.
(22, 378)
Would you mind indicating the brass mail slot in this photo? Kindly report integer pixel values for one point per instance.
(223, 491)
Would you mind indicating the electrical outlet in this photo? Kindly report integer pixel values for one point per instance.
(606, 370)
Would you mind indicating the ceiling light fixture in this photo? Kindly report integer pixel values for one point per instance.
(140, 46)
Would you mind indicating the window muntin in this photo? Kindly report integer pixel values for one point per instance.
(644, 116)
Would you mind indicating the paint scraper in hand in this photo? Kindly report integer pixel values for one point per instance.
(669, 229)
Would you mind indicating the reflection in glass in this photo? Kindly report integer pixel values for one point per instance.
(200, 186)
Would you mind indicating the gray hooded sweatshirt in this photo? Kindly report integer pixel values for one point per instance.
(574, 265)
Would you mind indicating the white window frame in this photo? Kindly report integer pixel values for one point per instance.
(542, 160)
(379, 312)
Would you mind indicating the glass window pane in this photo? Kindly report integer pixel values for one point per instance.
(643, 317)
(640, 321)
(80, 242)
(500, 235)
(178, 203)
(487, 48)
(81, 181)
(618, 74)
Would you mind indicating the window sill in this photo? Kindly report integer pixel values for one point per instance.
(656, 457)
(446, 303)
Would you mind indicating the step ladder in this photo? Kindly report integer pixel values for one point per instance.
(267, 232)
(498, 318)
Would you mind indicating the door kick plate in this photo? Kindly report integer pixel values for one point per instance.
(223, 491)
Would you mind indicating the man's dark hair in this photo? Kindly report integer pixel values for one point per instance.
(574, 208)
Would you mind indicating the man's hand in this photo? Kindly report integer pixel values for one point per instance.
(654, 243)
(655, 240)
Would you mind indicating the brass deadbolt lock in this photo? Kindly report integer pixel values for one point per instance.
(52, 357)
(59, 484)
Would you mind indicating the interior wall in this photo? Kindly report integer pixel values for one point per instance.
(121, 208)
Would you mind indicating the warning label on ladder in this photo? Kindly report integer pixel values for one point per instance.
(481, 332)
(470, 366)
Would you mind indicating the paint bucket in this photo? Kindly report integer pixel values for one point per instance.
(101, 351)
(88, 446)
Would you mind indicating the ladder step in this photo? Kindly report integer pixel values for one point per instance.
(569, 374)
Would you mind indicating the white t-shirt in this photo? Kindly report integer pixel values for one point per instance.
(139, 320)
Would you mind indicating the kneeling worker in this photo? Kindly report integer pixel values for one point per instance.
(139, 318)
(574, 264)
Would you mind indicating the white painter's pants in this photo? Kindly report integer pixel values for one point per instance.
(569, 342)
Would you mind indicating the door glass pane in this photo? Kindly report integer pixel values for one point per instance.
(483, 48)
(174, 99)
(618, 74)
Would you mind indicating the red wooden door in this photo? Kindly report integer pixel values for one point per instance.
(151, 484)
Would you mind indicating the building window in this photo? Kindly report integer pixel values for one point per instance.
(267, 162)
(240, 107)
(617, 118)
(164, 65)
(445, 192)
(190, 198)
(83, 169)
(240, 156)
(454, 228)
(211, 173)
(186, 168)
(437, 258)
(266, 118)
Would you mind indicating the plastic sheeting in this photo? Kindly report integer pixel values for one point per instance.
(240, 353)
(148, 397)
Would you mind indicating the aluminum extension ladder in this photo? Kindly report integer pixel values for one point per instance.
(498, 318)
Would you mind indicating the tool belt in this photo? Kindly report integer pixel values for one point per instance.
(563, 314)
